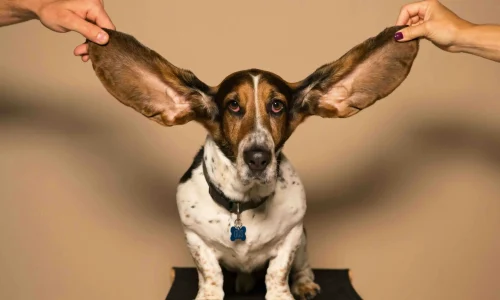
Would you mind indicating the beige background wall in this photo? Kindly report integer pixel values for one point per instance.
(406, 194)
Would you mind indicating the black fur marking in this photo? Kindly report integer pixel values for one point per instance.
(279, 158)
(196, 163)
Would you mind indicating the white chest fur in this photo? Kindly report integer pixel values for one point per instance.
(265, 226)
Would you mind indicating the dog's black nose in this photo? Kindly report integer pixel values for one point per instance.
(257, 159)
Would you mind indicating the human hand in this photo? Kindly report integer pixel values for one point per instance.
(431, 20)
(86, 17)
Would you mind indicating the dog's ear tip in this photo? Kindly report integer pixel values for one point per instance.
(110, 31)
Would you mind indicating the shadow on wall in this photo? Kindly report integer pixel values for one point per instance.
(424, 143)
(149, 185)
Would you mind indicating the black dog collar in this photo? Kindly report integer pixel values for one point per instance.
(229, 204)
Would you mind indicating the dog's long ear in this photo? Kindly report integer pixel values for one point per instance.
(142, 79)
(368, 72)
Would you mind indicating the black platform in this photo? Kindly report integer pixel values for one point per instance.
(335, 285)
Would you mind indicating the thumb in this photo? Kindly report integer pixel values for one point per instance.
(411, 33)
(90, 31)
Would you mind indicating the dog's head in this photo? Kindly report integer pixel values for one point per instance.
(251, 113)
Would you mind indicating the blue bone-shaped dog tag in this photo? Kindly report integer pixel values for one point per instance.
(238, 233)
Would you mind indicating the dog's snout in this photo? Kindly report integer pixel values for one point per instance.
(257, 159)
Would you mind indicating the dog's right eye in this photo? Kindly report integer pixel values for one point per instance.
(234, 106)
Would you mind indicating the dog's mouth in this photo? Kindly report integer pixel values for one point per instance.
(261, 178)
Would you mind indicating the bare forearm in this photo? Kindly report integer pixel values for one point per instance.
(86, 17)
(15, 11)
(480, 40)
(432, 20)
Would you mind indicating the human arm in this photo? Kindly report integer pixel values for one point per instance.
(480, 40)
(86, 17)
(14, 11)
(431, 20)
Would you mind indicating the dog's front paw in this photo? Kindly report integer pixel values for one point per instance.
(305, 289)
(210, 293)
(244, 283)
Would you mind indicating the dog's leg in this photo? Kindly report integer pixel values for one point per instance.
(279, 267)
(303, 285)
(210, 277)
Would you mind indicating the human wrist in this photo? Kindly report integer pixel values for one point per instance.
(33, 7)
(466, 38)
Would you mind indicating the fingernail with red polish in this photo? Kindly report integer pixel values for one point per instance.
(398, 36)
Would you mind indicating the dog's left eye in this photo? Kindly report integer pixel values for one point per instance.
(277, 106)
(234, 106)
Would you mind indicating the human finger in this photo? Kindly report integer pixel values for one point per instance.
(411, 33)
(73, 22)
(81, 50)
(411, 10)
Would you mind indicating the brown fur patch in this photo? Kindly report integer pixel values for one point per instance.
(236, 127)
